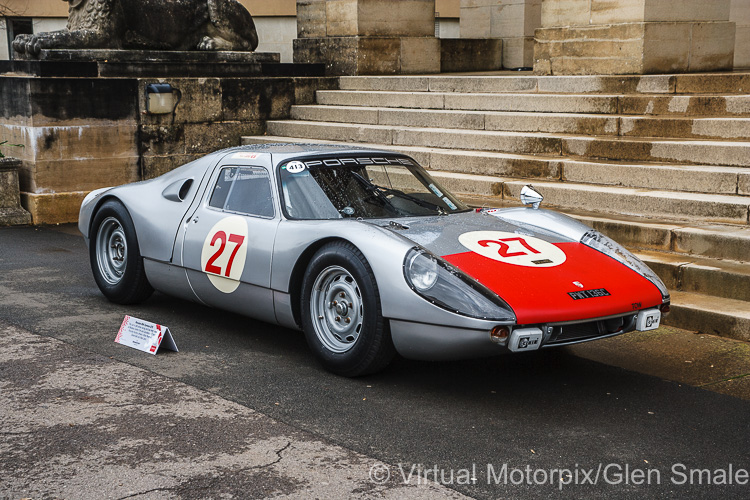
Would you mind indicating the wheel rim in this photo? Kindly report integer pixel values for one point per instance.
(111, 250)
(337, 309)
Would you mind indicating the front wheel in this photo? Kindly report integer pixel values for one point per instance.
(115, 259)
(341, 314)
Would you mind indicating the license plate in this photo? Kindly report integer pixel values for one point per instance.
(648, 320)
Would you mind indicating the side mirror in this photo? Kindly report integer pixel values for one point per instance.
(530, 196)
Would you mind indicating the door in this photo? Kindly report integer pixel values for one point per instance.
(228, 242)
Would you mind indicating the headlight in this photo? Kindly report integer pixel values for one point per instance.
(611, 248)
(446, 287)
(423, 271)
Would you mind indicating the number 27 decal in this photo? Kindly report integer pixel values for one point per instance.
(221, 237)
(504, 247)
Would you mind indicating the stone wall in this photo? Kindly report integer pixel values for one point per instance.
(84, 133)
(634, 36)
(514, 21)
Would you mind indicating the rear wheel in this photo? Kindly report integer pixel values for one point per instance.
(341, 313)
(115, 258)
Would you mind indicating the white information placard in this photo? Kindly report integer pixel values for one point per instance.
(145, 336)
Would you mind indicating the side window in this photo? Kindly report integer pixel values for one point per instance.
(245, 190)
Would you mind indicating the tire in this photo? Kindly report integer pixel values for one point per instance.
(341, 314)
(115, 258)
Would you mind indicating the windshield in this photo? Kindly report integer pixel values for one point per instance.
(362, 186)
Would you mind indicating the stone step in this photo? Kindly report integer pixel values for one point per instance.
(496, 181)
(691, 239)
(506, 142)
(716, 83)
(653, 104)
(613, 200)
(718, 278)
(659, 176)
(725, 153)
(710, 315)
(460, 161)
(734, 128)
(567, 123)
(676, 151)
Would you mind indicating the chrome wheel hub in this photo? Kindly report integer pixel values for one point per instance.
(111, 250)
(337, 309)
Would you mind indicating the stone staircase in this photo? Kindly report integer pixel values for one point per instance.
(660, 163)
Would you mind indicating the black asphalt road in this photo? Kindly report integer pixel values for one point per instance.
(536, 413)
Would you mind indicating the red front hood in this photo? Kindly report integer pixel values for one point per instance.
(541, 294)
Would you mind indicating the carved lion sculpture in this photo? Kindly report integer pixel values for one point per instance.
(149, 24)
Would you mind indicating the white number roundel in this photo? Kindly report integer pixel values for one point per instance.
(512, 248)
(224, 253)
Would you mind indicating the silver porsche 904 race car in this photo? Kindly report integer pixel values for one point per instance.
(366, 253)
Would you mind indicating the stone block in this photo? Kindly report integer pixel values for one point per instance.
(341, 18)
(77, 101)
(686, 10)
(256, 99)
(154, 166)
(355, 55)
(74, 174)
(559, 13)
(55, 208)
(634, 48)
(518, 52)
(475, 21)
(203, 138)
(712, 46)
(617, 11)
(311, 18)
(508, 20)
(742, 47)
(199, 101)
(403, 18)
(9, 194)
(162, 139)
(466, 54)
(378, 56)
(666, 47)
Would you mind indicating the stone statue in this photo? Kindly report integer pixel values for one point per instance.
(149, 25)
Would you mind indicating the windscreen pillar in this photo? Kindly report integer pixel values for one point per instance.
(604, 37)
(368, 37)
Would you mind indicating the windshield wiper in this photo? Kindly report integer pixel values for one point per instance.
(382, 191)
(414, 199)
(375, 190)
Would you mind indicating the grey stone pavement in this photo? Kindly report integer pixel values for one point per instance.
(76, 424)
(243, 411)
